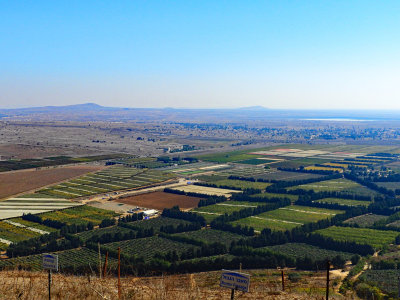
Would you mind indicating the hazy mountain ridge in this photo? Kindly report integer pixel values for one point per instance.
(95, 112)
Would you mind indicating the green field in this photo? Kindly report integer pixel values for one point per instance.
(301, 250)
(148, 247)
(87, 235)
(385, 280)
(375, 238)
(80, 215)
(212, 236)
(157, 223)
(67, 259)
(365, 220)
(347, 202)
(211, 212)
(287, 176)
(389, 185)
(241, 184)
(15, 234)
(255, 161)
(33, 224)
(292, 198)
(339, 185)
(286, 218)
(105, 181)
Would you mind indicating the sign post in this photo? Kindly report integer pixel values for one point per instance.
(235, 281)
(50, 263)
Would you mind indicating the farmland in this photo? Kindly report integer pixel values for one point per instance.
(347, 202)
(108, 180)
(365, 220)
(375, 238)
(75, 258)
(205, 190)
(12, 233)
(301, 250)
(210, 212)
(79, 215)
(212, 236)
(16, 207)
(148, 247)
(287, 217)
(16, 182)
(273, 195)
(160, 200)
(240, 184)
(386, 280)
(157, 223)
(87, 235)
(343, 185)
(287, 176)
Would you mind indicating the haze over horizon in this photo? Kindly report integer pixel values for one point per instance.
(275, 54)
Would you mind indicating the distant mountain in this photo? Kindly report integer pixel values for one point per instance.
(259, 108)
(95, 112)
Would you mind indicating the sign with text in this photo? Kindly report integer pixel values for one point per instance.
(235, 280)
(50, 262)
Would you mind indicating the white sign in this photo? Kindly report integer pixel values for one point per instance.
(50, 262)
(235, 280)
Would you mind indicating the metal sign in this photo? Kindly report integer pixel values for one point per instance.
(235, 280)
(50, 262)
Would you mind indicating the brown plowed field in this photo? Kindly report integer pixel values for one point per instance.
(161, 200)
(15, 182)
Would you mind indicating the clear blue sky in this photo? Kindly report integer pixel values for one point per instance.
(278, 54)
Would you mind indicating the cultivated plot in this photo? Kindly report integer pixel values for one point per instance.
(373, 237)
(288, 217)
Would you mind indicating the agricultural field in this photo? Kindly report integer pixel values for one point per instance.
(73, 258)
(244, 171)
(365, 220)
(389, 185)
(212, 236)
(226, 157)
(16, 207)
(210, 212)
(257, 161)
(341, 185)
(80, 215)
(385, 280)
(373, 237)
(286, 218)
(87, 235)
(299, 162)
(324, 168)
(157, 223)
(148, 247)
(16, 182)
(347, 202)
(10, 233)
(287, 176)
(240, 184)
(292, 198)
(105, 181)
(206, 190)
(196, 168)
(30, 224)
(301, 250)
(160, 200)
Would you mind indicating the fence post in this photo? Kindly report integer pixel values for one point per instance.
(283, 280)
(328, 265)
(119, 273)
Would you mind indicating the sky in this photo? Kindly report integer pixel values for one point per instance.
(201, 54)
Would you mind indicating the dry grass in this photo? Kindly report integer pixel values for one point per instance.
(265, 284)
